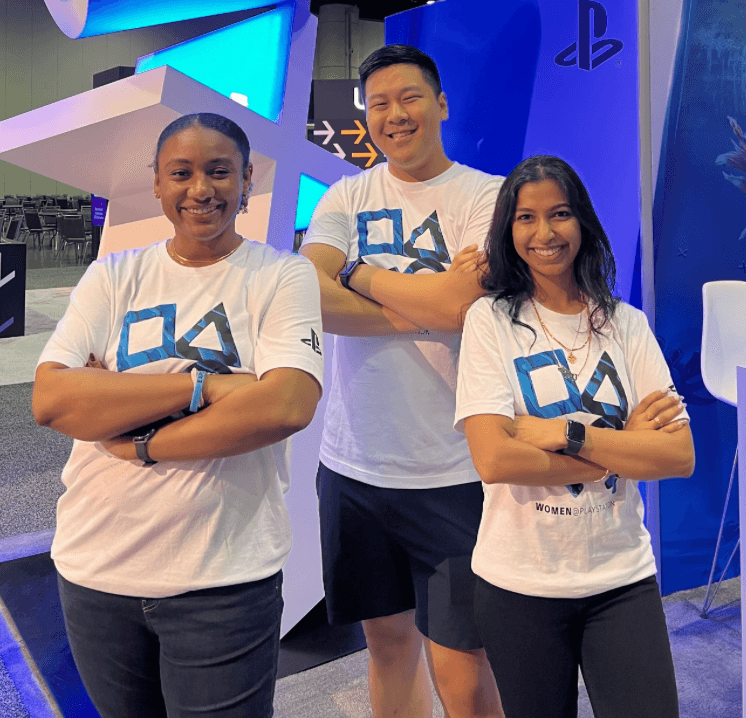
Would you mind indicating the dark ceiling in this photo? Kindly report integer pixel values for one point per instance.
(372, 9)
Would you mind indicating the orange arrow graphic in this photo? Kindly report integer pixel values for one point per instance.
(371, 154)
(360, 132)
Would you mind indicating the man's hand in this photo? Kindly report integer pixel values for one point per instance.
(546, 434)
(655, 412)
(466, 260)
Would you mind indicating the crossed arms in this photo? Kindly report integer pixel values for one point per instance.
(243, 413)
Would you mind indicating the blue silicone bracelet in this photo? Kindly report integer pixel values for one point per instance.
(197, 394)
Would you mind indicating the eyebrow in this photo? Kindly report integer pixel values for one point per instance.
(182, 161)
(551, 209)
(408, 88)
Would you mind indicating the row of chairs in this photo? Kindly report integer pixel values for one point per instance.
(64, 229)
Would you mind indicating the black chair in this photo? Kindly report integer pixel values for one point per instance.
(72, 231)
(86, 212)
(49, 222)
(14, 229)
(63, 203)
(34, 226)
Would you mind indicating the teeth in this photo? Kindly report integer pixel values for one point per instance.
(548, 252)
(205, 210)
(396, 135)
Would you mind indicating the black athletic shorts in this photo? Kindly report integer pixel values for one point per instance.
(386, 551)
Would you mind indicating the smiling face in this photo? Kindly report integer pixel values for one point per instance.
(199, 181)
(546, 233)
(404, 115)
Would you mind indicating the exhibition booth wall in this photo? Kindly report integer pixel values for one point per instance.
(585, 80)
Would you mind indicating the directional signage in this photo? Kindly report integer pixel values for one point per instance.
(349, 140)
(343, 131)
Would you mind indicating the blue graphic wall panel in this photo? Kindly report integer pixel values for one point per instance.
(254, 76)
(526, 77)
(84, 18)
(699, 216)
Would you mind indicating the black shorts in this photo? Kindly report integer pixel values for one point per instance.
(386, 551)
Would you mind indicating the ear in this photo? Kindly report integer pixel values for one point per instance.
(443, 103)
(156, 187)
(247, 177)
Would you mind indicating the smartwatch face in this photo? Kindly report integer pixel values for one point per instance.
(576, 432)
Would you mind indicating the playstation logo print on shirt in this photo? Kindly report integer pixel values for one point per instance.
(589, 52)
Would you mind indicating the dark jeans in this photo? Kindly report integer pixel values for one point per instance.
(618, 638)
(210, 653)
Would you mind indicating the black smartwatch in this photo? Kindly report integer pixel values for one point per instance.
(346, 274)
(575, 435)
(141, 446)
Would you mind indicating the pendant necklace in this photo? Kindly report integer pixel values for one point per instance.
(564, 371)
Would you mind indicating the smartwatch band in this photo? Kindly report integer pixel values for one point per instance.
(346, 274)
(141, 447)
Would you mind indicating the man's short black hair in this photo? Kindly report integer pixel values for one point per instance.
(398, 55)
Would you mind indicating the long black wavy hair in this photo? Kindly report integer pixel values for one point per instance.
(594, 270)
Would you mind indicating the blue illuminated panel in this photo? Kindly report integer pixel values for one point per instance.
(246, 61)
(309, 194)
(83, 18)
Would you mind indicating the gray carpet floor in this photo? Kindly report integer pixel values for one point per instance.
(707, 656)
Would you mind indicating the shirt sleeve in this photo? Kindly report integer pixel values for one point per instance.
(483, 380)
(330, 223)
(290, 333)
(480, 217)
(86, 325)
(647, 367)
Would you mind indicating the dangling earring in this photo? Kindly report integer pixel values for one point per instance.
(244, 207)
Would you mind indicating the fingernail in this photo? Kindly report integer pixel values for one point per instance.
(682, 422)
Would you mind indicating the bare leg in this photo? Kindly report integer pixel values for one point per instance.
(398, 680)
(464, 682)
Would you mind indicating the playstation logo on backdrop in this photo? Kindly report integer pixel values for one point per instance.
(589, 52)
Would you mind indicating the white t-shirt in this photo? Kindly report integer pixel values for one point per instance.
(563, 541)
(389, 419)
(180, 526)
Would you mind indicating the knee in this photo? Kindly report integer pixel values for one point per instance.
(392, 640)
(465, 683)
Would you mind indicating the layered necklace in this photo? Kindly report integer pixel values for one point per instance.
(570, 356)
(191, 262)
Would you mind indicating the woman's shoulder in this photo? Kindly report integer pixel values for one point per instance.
(488, 308)
(626, 317)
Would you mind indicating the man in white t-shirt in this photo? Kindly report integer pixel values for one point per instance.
(396, 250)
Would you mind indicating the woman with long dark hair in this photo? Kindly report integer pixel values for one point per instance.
(566, 402)
(180, 370)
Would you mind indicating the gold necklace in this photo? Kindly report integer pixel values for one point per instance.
(189, 262)
(564, 371)
(570, 357)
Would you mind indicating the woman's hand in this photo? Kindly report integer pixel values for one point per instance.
(466, 260)
(546, 434)
(655, 412)
(218, 386)
(122, 447)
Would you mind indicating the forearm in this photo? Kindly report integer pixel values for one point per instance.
(94, 404)
(248, 419)
(641, 455)
(513, 462)
(350, 314)
(437, 302)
